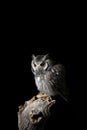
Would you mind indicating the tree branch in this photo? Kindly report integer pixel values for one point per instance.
(35, 112)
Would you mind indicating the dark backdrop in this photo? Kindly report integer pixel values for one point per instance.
(63, 37)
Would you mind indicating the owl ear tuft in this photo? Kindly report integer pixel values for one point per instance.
(33, 56)
(46, 56)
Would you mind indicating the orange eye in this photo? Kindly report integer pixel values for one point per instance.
(34, 65)
(42, 64)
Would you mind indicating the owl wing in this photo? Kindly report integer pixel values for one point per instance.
(57, 77)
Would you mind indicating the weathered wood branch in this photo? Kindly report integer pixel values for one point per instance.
(35, 112)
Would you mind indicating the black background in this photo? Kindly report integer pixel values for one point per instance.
(33, 32)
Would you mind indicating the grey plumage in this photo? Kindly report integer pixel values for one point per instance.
(49, 77)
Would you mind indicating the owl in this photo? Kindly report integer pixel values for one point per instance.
(49, 76)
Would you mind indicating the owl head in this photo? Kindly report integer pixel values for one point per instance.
(40, 64)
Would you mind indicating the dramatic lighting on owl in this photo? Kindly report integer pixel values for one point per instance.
(49, 76)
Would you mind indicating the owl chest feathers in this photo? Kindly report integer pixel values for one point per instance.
(44, 84)
(40, 82)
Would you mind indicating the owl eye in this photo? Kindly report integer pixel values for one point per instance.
(42, 64)
(35, 65)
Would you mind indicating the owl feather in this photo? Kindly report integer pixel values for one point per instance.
(49, 76)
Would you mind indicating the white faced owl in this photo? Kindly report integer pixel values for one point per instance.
(49, 76)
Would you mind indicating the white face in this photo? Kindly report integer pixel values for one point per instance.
(39, 64)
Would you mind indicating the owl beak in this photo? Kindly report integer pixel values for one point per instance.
(39, 71)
